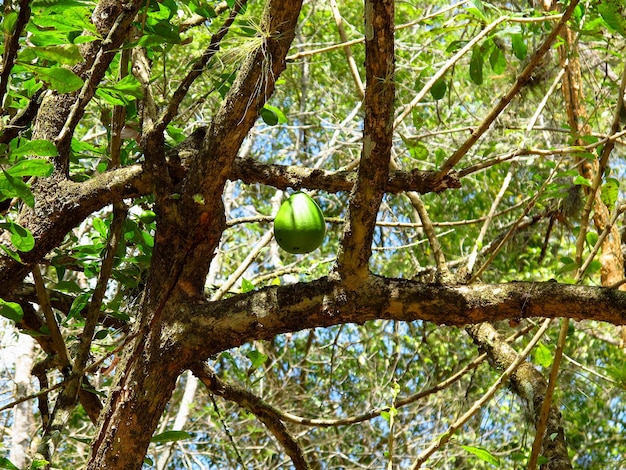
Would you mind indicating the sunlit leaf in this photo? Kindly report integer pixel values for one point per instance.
(57, 78)
(66, 54)
(171, 436)
(13, 311)
(610, 192)
(476, 66)
(14, 187)
(542, 355)
(482, 454)
(8, 22)
(246, 285)
(582, 181)
(257, 358)
(21, 237)
(612, 12)
(592, 238)
(519, 46)
(282, 119)
(38, 148)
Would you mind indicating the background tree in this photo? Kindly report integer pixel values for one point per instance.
(466, 156)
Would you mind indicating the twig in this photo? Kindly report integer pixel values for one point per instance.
(98, 69)
(522, 79)
(440, 259)
(513, 228)
(354, 70)
(197, 68)
(353, 42)
(256, 406)
(542, 422)
(245, 264)
(483, 231)
(51, 322)
(482, 400)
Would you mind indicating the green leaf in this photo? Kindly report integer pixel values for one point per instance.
(257, 358)
(438, 90)
(482, 454)
(594, 267)
(282, 119)
(13, 254)
(7, 464)
(497, 60)
(21, 237)
(568, 265)
(592, 238)
(582, 181)
(101, 334)
(246, 285)
(611, 13)
(477, 9)
(129, 86)
(519, 46)
(8, 24)
(171, 436)
(32, 167)
(41, 463)
(38, 148)
(476, 65)
(11, 310)
(543, 356)
(269, 116)
(66, 54)
(57, 78)
(202, 9)
(610, 192)
(69, 19)
(15, 187)
(79, 303)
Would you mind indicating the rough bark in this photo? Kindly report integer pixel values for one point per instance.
(356, 245)
(62, 206)
(23, 419)
(190, 228)
(274, 310)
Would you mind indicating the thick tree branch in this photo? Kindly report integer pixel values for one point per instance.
(62, 206)
(56, 216)
(257, 406)
(190, 227)
(292, 176)
(356, 245)
(531, 386)
(274, 310)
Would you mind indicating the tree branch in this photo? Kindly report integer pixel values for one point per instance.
(264, 313)
(257, 406)
(522, 79)
(356, 244)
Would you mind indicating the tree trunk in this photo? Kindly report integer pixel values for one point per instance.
(23, 420)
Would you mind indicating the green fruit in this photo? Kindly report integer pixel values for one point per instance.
(299, 225)
(147, 217)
